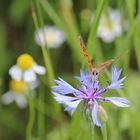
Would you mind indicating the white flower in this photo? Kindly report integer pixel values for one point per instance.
(26, 69)
(49, 35)
(17, 93)
(110, 26)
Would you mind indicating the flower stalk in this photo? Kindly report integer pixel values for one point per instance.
(31, 117)
(104, 131)
(46, 55)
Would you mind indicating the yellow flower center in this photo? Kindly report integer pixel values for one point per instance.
(51, 37)
(107, 24)
(17, 86)
(25, 61)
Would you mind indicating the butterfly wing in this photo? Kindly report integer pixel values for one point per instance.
(104, 65)
(82, 45)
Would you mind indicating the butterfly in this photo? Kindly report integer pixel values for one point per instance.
(95, 72)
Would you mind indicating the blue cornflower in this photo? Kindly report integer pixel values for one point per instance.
(89, 92)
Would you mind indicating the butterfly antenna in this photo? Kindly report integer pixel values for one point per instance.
(106, 64)
(121, 55)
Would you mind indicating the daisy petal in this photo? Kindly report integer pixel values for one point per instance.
(15, 72)
(20, 100)
(40, 37)
(118, 101)
(49, 35)
(8, 98)
(29, 76)
(34, 84)
(39, 69)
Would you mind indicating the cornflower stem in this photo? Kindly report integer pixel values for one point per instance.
(92, 131)
(31, 116)
(104, 131)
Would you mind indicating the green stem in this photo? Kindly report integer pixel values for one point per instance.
(41, 120)
(68, 26)
(31, 117)
(52, 13)
(92, 36)
(45, 52)
(46, 55)
(104, 131)
(48, 65)
(92, 131)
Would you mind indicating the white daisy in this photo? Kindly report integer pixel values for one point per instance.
(110, 26)
(17, 90)
(49, 35)
(26, 69)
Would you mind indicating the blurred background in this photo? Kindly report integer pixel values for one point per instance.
(20, 22)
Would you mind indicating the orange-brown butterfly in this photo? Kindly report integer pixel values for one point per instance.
(95, 71)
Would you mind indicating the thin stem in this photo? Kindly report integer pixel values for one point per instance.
(92, 131)
(31, 117)
(104, 131)
(67, 25)
(41, 120)
(92, 36)
(46, 55)
(52, 13)
(48, 65)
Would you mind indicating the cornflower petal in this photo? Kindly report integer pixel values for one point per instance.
(82, 74)
(62, 98)
(118, 101)
(101, 91)
(84, 78)
(115, 74)
(116, 83)
(71, 103)
(63, 87)
(95, 114)
(68, 108)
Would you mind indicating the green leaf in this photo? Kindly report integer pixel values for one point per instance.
(75, 127)
(68, 27)
(91, 44)
(3, 54)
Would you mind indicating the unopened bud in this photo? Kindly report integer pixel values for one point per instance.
(102, 114)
